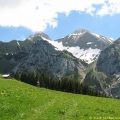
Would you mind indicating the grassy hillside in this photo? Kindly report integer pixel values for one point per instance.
(19, 101)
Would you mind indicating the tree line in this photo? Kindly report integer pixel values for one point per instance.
(66, 84)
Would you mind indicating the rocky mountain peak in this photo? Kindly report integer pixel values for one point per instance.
(85, 45)
(39, 36)
(81, 31)
(77, 34)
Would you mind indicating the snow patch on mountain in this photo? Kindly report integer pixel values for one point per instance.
(103, 38)
(76, 35)
(18, 43)
(89, 43)
(88, 55)
(43, 38)
(96, 35)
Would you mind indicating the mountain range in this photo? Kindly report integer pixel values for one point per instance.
(82, 55)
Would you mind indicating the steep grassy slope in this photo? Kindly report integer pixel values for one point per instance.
(19, 101)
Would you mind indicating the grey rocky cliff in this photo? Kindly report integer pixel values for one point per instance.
(109, 59)
(44, 58)
(11, 53)
(107, 71)
(85, 39)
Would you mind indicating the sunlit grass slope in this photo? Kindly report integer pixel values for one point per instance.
(20, 101)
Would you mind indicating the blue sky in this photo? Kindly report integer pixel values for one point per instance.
(58, 19)
(13, 33)
(104, 25)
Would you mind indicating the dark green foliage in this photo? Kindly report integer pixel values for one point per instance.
(29, 78)
(66, 84)
(17, 75)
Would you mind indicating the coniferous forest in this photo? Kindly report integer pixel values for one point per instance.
(66, 84)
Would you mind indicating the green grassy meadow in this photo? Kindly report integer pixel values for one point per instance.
(20, 101)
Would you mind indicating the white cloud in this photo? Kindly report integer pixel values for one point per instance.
(38, 14)
(110, 7)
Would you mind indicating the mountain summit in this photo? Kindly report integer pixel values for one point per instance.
(85, 45)
(38, 36)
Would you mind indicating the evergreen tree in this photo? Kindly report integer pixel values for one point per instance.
(66, 84)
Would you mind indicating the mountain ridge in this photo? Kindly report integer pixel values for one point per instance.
(82, 43)
(88, 44)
